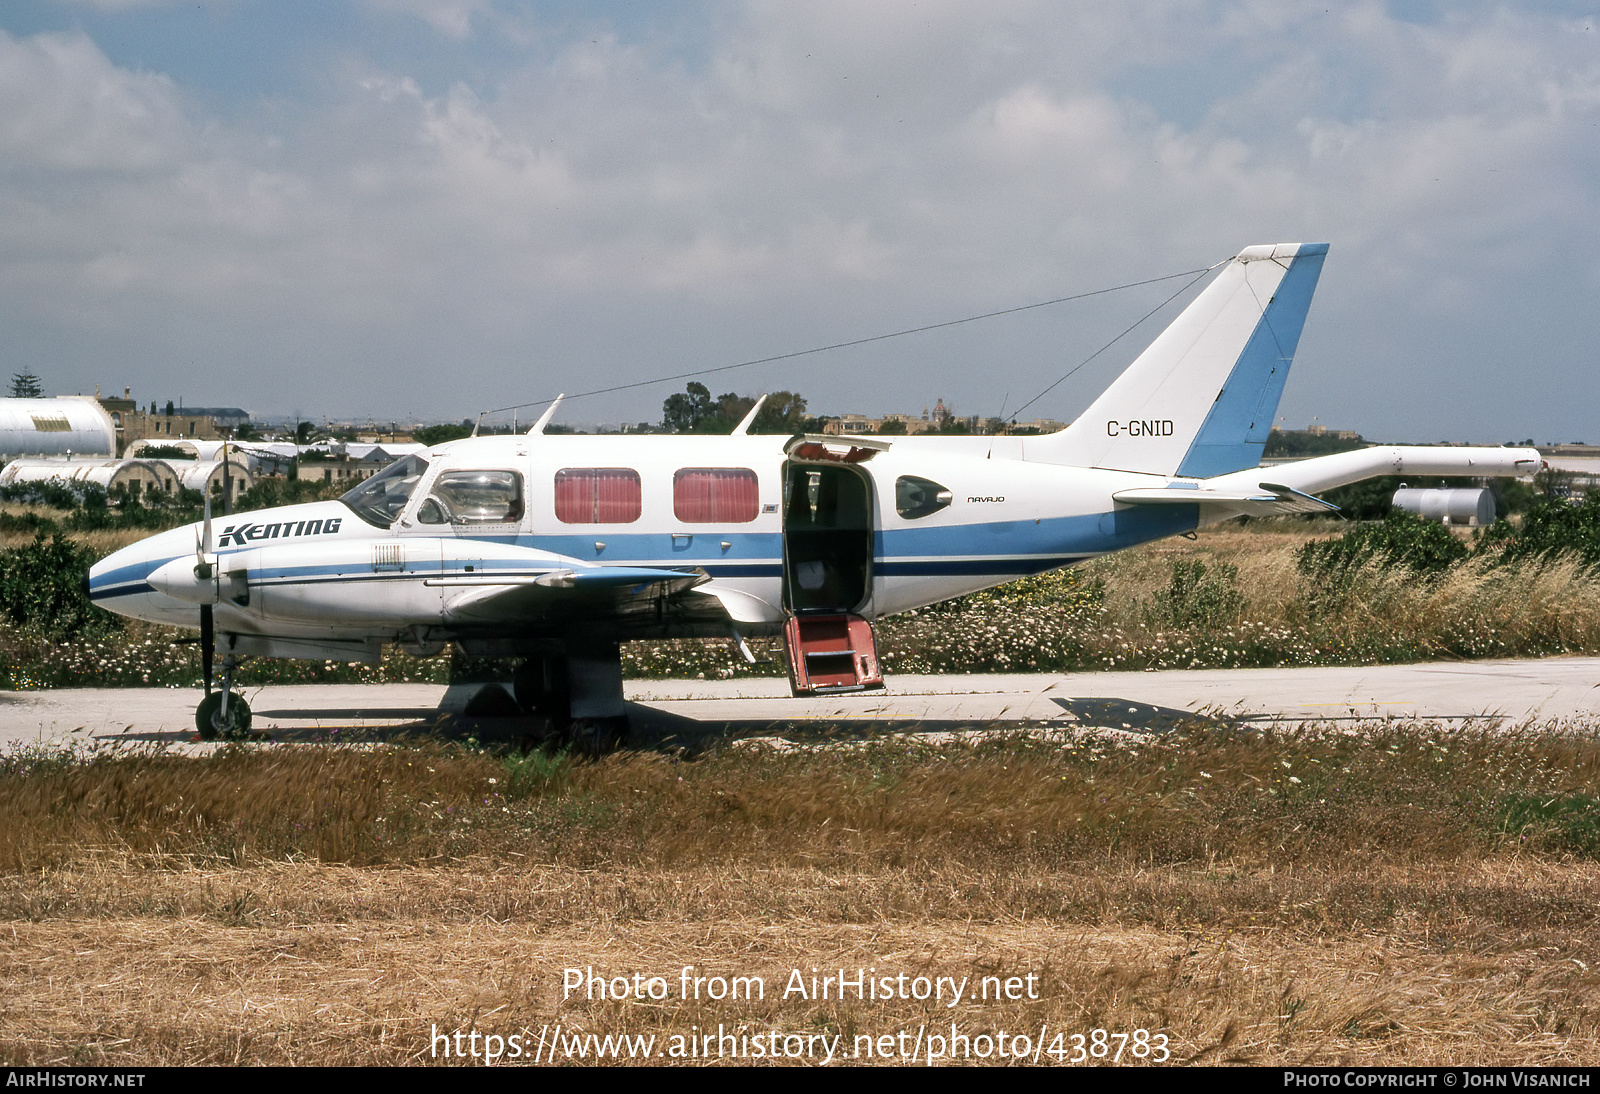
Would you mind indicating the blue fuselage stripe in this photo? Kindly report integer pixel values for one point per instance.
(1000, 548)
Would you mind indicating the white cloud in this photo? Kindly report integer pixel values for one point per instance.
(64, 105)
(811, 171)
(451, 18)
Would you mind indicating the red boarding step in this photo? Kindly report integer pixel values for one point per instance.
(831, 653)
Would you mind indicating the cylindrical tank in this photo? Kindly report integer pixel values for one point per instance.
(55, 427)
(1469, 505)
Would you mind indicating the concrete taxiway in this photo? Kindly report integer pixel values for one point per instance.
(1506, 692)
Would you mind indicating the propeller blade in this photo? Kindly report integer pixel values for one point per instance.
(207, 644)
(209, 543)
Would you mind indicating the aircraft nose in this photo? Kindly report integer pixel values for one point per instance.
(116, 576)
(94, 577)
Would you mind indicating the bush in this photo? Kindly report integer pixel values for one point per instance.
(27, 522)
(55, 493)
(164, 452)
(269, 493)
(1551, 526)
(1400, 540)
(1198, 597)
(42, 587)
(1369, 499)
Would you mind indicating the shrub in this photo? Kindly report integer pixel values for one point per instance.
(1200, 597)
(269, 493)
(42, 587)
(164, 452)
(1551, 526)
(55, 493)
(1400, 540)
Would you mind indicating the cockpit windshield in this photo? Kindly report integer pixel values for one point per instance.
(380, 499)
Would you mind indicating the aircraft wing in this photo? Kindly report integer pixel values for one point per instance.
(564, 596)
(1268, 500)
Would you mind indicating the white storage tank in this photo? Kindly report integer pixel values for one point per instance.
(55, 427)
(1459, 505)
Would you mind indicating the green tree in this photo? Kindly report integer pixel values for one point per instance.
(694, 411)
(431, 435)
(683, 412)
(784, 412)
(1370, 499)
(25, 385)
(1298, 442)
(1512, 496)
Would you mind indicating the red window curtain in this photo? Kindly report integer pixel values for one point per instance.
(598, 495)
(715, 495)
(617, 497)
(575, 495)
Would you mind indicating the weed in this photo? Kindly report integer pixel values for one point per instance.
(1562, 822)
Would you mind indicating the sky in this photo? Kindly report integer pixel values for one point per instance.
(424, 209)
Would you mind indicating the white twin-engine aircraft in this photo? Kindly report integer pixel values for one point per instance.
(554, 549)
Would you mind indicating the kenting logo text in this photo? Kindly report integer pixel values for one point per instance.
(240, 534)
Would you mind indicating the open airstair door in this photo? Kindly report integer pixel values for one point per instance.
(827, 565)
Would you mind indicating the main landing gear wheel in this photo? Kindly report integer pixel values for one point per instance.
(209, 720)
(540, 686)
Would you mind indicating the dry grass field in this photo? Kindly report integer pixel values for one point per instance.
(1395, 894)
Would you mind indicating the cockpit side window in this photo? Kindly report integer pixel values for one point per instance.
(915, 497)
(379, 500)
(474, 497)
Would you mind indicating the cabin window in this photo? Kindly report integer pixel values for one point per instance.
(915, 498)
(479, 497)
(598, 495)
(715, 495)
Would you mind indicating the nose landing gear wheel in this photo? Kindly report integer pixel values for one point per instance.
(213, 726)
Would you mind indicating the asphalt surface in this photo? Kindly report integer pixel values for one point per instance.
(1502, 693)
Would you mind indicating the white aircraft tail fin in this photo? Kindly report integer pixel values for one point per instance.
(1201, 399)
